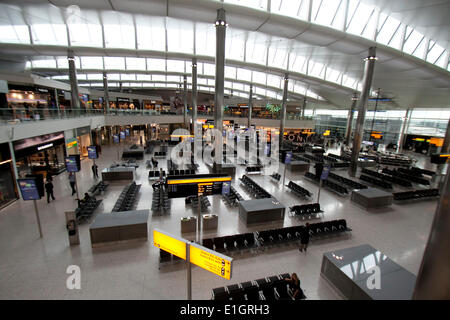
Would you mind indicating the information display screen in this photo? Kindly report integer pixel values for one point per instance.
(72, 164)
(122, 135)
(92, 152)
(116, 138)
(288, 157)
(193, 185)
(127, 132)
(226, 188)
(28, 189)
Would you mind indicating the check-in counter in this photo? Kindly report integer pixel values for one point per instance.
(210, 221)
(188, 224)
(261, 210)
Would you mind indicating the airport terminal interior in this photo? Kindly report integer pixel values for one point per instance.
(217, 149)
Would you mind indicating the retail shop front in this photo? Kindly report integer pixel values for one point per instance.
(8, 188)
(77, 141)
(40, 155)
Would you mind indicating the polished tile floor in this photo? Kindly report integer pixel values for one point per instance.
(35, 268)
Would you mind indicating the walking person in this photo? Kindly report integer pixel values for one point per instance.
(72, 182)
(95, 170)
(49, 189)
(304, 238)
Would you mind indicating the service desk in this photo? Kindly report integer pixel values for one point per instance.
(188, 224)
(261, 210)
(118, 173)
(372, 198)
(120, 226)
(355, 272)
(210, 221)
(298, 166)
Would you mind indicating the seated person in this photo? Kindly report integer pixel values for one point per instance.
(294, 285)
(85, 200)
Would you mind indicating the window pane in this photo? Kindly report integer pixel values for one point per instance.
(91, 62)
(117, 63)
(135, 63)
(328, 13)
(293, 8)
(175, 66)
(256, 48)
(243, 74)
(259, 77)
(180, 36)
(235, 44)
(256, 4)
(84, 28)
(151, 33)
(119, 30)
(205, 39)
(230, 72)
(361, 15)
(156, 64)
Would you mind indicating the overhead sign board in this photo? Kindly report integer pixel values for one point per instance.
(170, 244)
(92, 152)
(325, 172)
(211, 261)
(193, 185)
(205, 258)
(73, 163)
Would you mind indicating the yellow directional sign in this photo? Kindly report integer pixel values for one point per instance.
(175, 246)
(211, 261)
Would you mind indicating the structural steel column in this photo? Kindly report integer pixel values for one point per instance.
(283, 111)
(106, 94)
(303, 107)
(433, 278)
(348, 134)
(73, 82)
(250, 107)
(446, 144)
(57, 103)
(221, 27)
(404, 130)
(194, 97)
(361, 107)
(185, 104)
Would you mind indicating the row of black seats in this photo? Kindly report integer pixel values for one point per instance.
(276, 176)
(340, 164)
(398, 174)
(376, 181)
(410, 172)
(316, 158)
(127, 197)
(155, 173)
(254, 188)
(269, 289)
(233, 198)
(352, 184)
(298, 189)
(193, 200)
(181, 172)
(300, 158)
(395, 162)
(330, 159)
(85, 209)
(393, 179)
(335, 187)
(343, 158)
(416, 194)
(228, 243)
(306, 209)
(160, 153)
(423, 171)
(98, 187)
(294, 233)
(253, 169)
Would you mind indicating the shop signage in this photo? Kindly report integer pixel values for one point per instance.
(122, 135)
(83, 130)
(116, 138)
(71, 143)
(45, 146)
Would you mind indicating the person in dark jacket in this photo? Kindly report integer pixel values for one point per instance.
(49, 190)
(294, 285)
(95, 170)
(304, 238)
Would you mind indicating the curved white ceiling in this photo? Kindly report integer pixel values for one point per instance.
(321, 42)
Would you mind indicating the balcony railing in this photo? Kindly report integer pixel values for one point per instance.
(16, 114)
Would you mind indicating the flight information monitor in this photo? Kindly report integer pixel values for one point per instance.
(193, 185)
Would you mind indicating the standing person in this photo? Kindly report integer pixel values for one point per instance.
(49, 189)
(294, 285)
(72, 182)
(304, 238)
(95, 170)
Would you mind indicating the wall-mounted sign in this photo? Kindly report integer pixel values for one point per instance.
(28, 189)
(45, 146)
(72, 143)
(116, 138)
